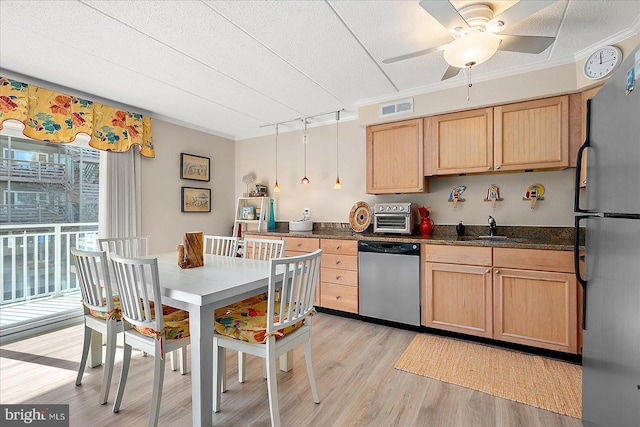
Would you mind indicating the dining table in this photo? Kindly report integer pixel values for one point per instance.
(200, 290)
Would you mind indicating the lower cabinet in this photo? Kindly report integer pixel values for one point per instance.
(339, 275)
(523, 296)
(295, 246)
(537, 303)
(457, 297)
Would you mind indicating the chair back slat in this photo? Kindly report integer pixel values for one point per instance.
(94, 281)
(131, 247)
(296, 278)
(138, 284)
(220, 245)
(262, 249)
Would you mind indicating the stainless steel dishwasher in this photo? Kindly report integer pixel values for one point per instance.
(389, 281)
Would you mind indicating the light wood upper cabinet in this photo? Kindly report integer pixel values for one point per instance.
(578, 129)
(395, 158)
(532, 135)
(459, 142)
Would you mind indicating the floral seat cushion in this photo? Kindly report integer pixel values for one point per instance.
(176, 324)
(247, 320)
(103, 314)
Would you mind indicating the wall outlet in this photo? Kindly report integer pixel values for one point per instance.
(306, 213)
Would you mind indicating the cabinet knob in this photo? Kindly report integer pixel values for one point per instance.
(488, 271)
(497, 167)
(338, 247)
(337, 262)
(299, 244)
(584, 182)
(488, 168)
(338, 277)
(497, 271)
(337, 296)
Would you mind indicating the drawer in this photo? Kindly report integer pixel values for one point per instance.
(335, 246)
(294, 253)
(534, 259)
(342, 262)
(301, 244)
(339, 297)
(340, 277)
(468, 255)
(260, 236)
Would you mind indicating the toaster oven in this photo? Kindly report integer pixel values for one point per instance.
(395, 218)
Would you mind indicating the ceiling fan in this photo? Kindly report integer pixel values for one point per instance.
(474, 29)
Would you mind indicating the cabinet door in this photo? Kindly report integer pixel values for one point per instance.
(532, 135)
(459, 142)
(536, 308)
(395, 158)
(458, 298)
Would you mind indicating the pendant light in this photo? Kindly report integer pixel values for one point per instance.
(304, 180)
(337, 185)
(276, 187)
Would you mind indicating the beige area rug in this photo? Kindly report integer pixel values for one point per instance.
(534, 380)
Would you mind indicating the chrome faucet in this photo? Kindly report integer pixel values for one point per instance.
(492, 226)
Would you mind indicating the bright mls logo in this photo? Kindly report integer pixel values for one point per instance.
(34, 415)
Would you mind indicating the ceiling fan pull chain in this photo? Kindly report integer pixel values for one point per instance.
(468, 82)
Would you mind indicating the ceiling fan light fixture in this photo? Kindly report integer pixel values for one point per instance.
(472, 49)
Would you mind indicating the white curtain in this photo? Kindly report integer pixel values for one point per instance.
(119, 208)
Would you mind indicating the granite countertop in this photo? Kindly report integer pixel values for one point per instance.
(551, 238)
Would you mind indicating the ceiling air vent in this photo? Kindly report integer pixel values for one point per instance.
(396, 108)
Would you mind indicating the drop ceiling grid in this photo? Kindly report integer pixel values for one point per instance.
(312, 38)
(587, 22)
(237, 59)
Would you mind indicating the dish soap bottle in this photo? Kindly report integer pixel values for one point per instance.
(460, 229)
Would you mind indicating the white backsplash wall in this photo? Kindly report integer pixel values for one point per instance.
(257, 156)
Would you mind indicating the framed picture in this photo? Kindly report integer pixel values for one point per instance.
(196, 199)
(194, 167)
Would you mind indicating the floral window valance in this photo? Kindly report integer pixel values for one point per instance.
(55, 117)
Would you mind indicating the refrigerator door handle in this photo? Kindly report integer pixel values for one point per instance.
(584, 146)
(576, 262)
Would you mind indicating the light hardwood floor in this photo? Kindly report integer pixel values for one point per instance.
(354, 369)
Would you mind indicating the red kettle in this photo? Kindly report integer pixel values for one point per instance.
(426, 223)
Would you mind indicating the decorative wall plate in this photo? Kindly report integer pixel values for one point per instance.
(360, 217)
(534, 193)
(456, 195)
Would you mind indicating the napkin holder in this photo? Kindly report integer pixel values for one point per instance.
(190, 253)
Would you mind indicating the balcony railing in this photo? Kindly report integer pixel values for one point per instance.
(36, 261)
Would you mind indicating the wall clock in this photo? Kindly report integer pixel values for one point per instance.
(602, 62)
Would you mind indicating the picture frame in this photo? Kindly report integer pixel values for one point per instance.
(195, 199)
(196, 168)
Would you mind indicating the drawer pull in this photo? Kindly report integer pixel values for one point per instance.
(338, 247)
(337, 262)
(299, 244)
(488, 168)
(488, 271)
(337, 296)
(338, 277)
(497, 271)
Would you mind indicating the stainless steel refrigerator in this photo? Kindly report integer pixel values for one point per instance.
(611, 277)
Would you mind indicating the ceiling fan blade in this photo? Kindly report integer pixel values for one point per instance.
(525, 44)
(451, 72)
(444, 12)
(412, 55)
(516, 13)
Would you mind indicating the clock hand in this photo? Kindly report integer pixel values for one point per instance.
(600, 57)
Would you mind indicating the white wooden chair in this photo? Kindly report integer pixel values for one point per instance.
(147, 324)
(220, 245)
(263, 249)
(100, 311)
(288, 324)
(126, 246)
(138, 246)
